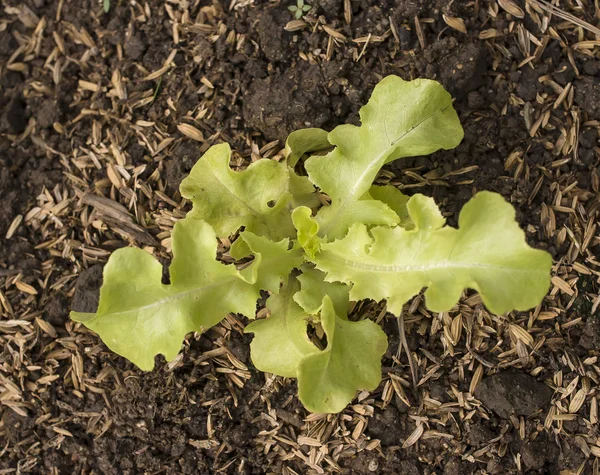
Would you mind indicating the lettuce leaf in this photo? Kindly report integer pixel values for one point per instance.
(327, 379)
(487, 252)
(304, 141)
(402, 118)
(273, 261)
(257, 198)
(139, 317)
(281, 340)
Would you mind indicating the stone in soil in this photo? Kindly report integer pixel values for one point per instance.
(273, 39)
(57, 309)
(462, 71)
(388, 426)
(406, 10)
(513, 392)
(47, 114)
(456, 466)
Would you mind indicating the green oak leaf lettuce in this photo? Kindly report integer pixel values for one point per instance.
(327, 379)
(303, 191)
(139, 317)
(313, 258)
(273, 261)
(256, 198)
(314, 288)
(402, 118)
(395, 199)
(304, 141)
(487, 252)
(281, 340)
(307, 229)
(297, 144)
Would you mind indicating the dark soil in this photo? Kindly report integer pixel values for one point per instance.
(513, 393)
(191, 418)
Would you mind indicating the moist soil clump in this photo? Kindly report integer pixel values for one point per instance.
(91, 103)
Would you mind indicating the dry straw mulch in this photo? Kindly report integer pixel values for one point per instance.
(110, 198)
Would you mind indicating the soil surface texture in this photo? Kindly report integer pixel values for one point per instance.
(92, 99)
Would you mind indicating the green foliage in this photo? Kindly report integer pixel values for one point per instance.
(304, 141)
(281, 340)
(139, 317)
(273, 261)
(329, 379)
(256, 199)
(299, 9)
(402, 119)
(106, 5)
(487, 253)
(317, 243)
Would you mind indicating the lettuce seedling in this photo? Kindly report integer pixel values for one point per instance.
(316, 243)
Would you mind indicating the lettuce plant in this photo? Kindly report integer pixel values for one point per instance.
(315, 243)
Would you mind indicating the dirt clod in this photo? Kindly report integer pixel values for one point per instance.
(587, 95)
(590, 338)
(538, 453)
(13, 119)
(47, 114)
(276, 107)
(513, 392)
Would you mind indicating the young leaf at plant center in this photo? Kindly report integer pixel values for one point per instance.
(328, 380)
(297, 144)
(487, 252)
(256, 198)
(395, 199)
(273, 261)
(307, 229)
(281, 340)
(138, 317)
(304, 141)
(314, 288)
(239, 249)
(303, 191)
(401, 119)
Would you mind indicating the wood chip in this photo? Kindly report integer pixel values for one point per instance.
(117, 216)
(336, 34)
(23, 287)
(577, 402)
(488, 34)
(62, 431)
(521, 334)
